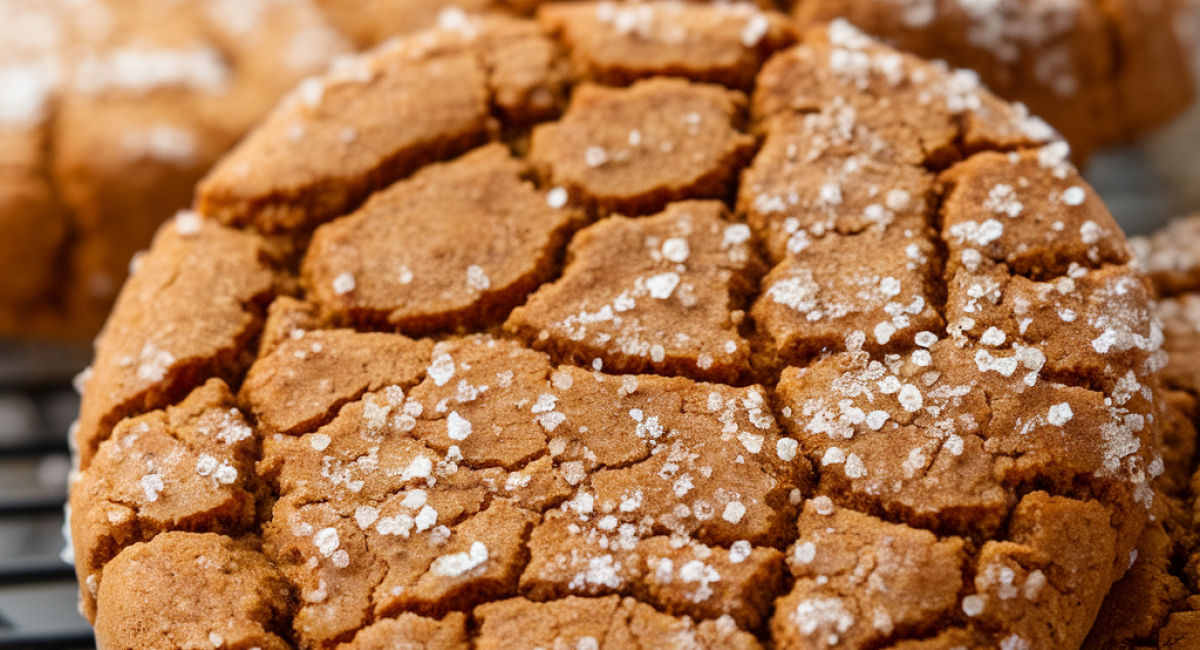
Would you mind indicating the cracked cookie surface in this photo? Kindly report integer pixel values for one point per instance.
(827, 371)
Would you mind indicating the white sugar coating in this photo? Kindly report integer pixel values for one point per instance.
(1090, 232)
(973, 605)
(414, 499)
(562, 380)
(556, 197)
(153, 363)
(340, 558)
(1060, 414)
(1014, 642)
(754, 30)
(855, 467)
(426, 518)
(457, 427)
(734, 511)
(1002, 198)
(595, 156)
(925, 339)
(735, 235)
(631, 501)
(823, 614)
(676, 250)
(884, 332)
(366, 516)
(144, 69)
(954, 444)
(1073, 195)
(400, 525)
(456, 564)
(550, 421)
(441, 370)
(804, 553)
(876, 419)
(583, 503)
(889, 287)
(910, 398)
(162, 142)
(344, 283)
(477, 278)
(752, 442)
(897, 199)
(188, 222)
(657, 353)
(587, 643)
(206, 465)
(319, 441)
(545, 403)
(406, 275)
(994, 337)
(375, 415)
(823, 505)
(797, 291)
(833, 456)
(980, 234)
(830, 194)
(419, 467)
(225, 474)
(326, 540)
(971, 259)
(661, 286)
(786, 448)
(1034, 583)
(25, 91)
(739, 551)
(152, 486)
(985, 362)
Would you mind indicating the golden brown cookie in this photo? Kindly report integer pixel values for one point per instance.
(1100, 72)
(565, 350)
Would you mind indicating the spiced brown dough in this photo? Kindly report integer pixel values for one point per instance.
(846, 357)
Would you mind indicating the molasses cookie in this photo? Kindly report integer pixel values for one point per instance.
(110, 111)
(497, 338)
(1100, 72)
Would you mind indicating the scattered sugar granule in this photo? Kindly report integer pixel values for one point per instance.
(459, 563)
(1073, 195)
(1060, 414)
(556, 197)
(343, 283)
(973, 605)
(734, 511)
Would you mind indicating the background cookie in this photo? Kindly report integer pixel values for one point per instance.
(866, 373)
(1156, 604)
(1100, 72)
(111, 110)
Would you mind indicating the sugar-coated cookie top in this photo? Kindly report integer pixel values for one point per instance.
(502, 337)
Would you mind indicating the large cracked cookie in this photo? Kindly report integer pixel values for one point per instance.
(843, 356)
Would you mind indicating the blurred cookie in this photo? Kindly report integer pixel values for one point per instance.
(1099, 72)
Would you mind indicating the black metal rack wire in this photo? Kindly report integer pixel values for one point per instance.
(38, 591)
